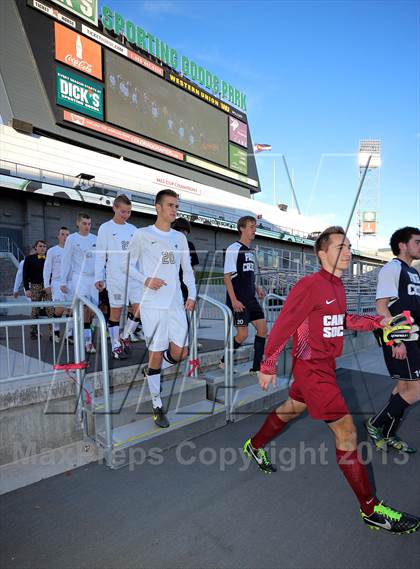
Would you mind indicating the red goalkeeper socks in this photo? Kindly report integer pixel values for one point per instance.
(272, 426)
(357, 477)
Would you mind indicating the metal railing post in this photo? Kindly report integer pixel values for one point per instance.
(229, 364)
(78, 356)
(194, 339)
(105, 373)
(228, 339)
(266, 308)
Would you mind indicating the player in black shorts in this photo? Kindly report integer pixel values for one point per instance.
(398, 289)
(239, 278)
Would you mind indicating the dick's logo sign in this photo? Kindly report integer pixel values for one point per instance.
(80, 94)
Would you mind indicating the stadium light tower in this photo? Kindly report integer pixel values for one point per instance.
(368, 205)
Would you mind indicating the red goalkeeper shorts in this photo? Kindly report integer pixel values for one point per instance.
(315, 385)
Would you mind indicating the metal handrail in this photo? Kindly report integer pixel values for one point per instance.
(37, 304)
(79, 350)
(11, 247)
(6, 324)
(227, 318)
(270, 296)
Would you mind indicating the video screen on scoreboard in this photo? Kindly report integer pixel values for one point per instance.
(139, 101)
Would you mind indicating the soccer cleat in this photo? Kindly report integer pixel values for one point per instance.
(118, 353)
(397, 444)
(386, 518)
(385, 443)
(376, 435)
(125, 342)
(259, 455)
(160, 418)
(90, 348)
(137, 336)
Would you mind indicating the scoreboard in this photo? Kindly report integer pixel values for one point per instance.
(100, 84)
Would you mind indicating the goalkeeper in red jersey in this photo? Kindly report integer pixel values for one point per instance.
(315, 315)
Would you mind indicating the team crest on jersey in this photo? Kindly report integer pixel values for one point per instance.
(413, 289)
(249, 261)
(124, 245)
(333, 325)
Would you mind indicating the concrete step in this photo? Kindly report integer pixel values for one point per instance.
(250, 399)
(144, 437)
(132, 403)
(216, 379)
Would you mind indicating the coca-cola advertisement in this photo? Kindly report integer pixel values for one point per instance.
(78, 51)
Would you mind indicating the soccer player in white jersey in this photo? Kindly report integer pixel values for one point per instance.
(52, 276)
(156, 254)
(78, 270)
(112, 271)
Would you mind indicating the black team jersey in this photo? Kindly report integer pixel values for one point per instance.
(401, 283)
(240, 263)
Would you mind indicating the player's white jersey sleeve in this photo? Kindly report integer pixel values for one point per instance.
(48, 267)
(388, 280)
(135, 251)
(52, 266)
(19, 277)
(231, 258)
(66, 260)
(187, 272)
(101, 253)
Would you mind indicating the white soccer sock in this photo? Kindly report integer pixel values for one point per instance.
(114, 333)
(129, 328)
(69, 329)
(87, 332)
(56, 327)
(154, 388)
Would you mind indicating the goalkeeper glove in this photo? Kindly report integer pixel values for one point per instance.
(400, 328)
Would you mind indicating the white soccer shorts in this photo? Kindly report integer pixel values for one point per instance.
(84, 287)
(120, 295)
(56, 293)
(161, 327)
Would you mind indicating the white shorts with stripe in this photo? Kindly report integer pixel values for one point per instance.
(119, 294)
(84, 286)
(161, 327)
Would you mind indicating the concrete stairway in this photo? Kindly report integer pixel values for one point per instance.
(247, 398)
(189, 412)
(8, 271)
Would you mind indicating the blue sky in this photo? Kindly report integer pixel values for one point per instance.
(319, 76)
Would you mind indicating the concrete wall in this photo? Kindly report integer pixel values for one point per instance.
(39, 217)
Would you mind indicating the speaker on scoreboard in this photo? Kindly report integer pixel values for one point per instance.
(22, 126)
